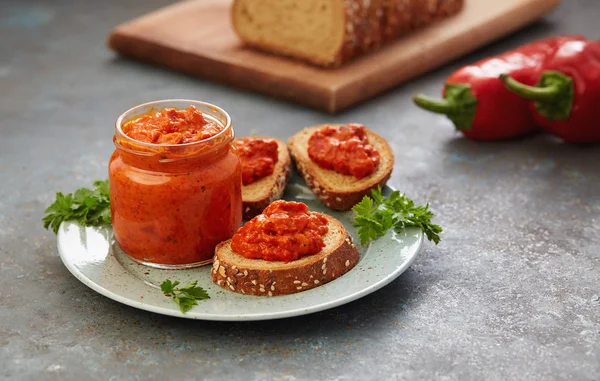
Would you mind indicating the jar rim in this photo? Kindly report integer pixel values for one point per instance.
(190, 102)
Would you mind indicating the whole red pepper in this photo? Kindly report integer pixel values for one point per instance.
(567, 95)
(477, 102)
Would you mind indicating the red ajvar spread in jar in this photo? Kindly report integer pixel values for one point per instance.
(171, 126)
(258, 157)
(172, 204)
(344, 149)
(285, 231)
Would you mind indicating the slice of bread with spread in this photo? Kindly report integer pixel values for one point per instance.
(338, 191)
(258, 195)
(237, 273)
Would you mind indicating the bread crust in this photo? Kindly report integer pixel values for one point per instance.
(374, 34)
(367, 25)
(397, 19)
(314, 176)
(265, 278)
(272, 187)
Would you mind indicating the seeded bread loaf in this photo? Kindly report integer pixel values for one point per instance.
(269, 278)
(337, 191)
(257, 196)
(330, 32)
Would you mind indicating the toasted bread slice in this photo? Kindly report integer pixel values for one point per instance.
(257, 196)
(259, 277)
(337, 191)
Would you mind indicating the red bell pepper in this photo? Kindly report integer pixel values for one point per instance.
(567, 95)
(477, 102)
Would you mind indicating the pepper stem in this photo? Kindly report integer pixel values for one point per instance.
(553, 95)
(540, 94)
(459, 105)
(440, 106)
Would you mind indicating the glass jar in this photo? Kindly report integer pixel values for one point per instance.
(171, 204)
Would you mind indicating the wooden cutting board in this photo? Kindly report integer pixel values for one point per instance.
(196, 38)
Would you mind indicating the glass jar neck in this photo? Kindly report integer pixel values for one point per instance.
(172, 158)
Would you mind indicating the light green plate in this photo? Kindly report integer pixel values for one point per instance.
(92, 257)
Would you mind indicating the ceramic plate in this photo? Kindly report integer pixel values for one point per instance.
(92, 256)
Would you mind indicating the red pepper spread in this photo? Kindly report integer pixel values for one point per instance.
(285, 231)
(171, 126)
(258, 157)
(173, 205)
(344, 149)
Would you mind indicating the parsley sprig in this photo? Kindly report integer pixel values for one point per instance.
(186, 297)
(89, 207)
(377, 214)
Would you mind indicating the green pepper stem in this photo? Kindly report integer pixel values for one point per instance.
(533, 93)
(440, 106)
(459, 104)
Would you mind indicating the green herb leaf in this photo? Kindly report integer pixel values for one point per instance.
(166, 287)
(58, 212)
(187, 296)
(89, 207)
(376, 215)
(199, 293)
(188, 287)
(377, 196)
(364, 207)
(368, 228)
(185, 303)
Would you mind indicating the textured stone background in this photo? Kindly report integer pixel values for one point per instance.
(511, 293)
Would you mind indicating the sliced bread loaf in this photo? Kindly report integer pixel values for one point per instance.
(269, 278)
(258, 195)
(337, 191)
(331, 32)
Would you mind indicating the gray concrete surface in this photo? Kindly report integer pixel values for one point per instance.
(511, 293)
